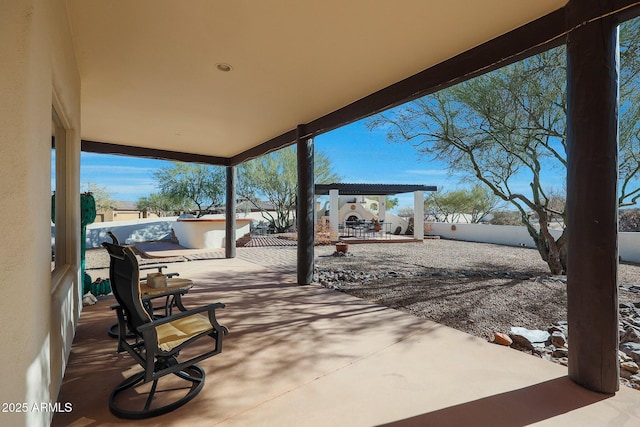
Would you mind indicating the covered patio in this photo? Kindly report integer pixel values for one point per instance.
(221, 83)
(310, 356)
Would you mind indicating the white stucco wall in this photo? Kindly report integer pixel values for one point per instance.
(509, 235)
(129, 232)
(202, 233)
(628, 243)
(629, 246)
(38, 310)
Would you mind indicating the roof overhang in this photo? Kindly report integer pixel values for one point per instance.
(150, 86)
(349, 189)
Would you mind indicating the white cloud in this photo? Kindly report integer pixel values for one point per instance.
(427, 172)
(114, 169)
(132, 189)
(121, 186)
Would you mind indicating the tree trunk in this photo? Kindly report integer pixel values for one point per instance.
(554, 254)
(562, 247)
(554, 262)
(550, 251)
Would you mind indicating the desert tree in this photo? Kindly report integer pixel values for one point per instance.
(474, 203)
(274, 177)
(510, 125)
(160, 204)
(193, 186)
(495, 128)
(102, 196)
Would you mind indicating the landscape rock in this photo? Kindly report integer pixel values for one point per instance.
(558, 339)
(635, 380)
(630, 366)
(622, 357)
(560, 326)
(554, 328)
(528, 338)
(557, 346)
(630, 334)
(502, 339)
(561, 352)
(631, 349)
(626, 375)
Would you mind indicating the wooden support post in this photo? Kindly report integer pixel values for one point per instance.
(592, 209)
(305, 208)
(230, 214)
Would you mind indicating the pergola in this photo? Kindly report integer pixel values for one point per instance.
(260, 108)
(334, 190)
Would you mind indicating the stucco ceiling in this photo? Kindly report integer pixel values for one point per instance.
(149, 76)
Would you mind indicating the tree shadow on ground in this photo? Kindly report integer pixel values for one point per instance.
(280, 334)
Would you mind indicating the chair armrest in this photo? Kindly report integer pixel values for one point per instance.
(160, 268)
(180, 315)
(150, 267)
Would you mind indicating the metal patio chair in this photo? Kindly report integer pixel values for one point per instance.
(113, 330)
(157, 342)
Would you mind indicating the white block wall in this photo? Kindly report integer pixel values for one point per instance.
(628, 243)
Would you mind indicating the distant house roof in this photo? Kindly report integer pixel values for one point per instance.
(246, 205)
(372, 189)
(125, 205)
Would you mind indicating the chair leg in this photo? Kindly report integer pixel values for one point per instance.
(193, 374)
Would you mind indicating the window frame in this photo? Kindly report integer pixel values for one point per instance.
(59, 144)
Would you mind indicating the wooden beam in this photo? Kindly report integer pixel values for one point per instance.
(230, 214)
(284, 140)
(537, 36)
(528, 40)
(305, 208)
(592, 208)
(151, 153)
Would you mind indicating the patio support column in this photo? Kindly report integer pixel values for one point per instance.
(305, 207)
(418, 215)
(382, 207)
(230, 214)
(334, 217)
(592, 209)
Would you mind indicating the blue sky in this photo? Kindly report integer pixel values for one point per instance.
(126, 178)
(357, 154)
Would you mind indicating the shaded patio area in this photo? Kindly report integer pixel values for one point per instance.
(305, 355)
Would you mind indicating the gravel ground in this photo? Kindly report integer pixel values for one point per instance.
(473, 287)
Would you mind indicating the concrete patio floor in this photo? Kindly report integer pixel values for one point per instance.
(309, 356)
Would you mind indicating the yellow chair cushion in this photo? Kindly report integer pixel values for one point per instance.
(172, 334)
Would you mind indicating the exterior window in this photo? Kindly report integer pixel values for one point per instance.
(57, 202)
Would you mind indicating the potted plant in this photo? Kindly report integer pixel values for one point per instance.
(342, 247)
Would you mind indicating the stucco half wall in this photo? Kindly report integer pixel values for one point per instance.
(628, 243)
(207, 233)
